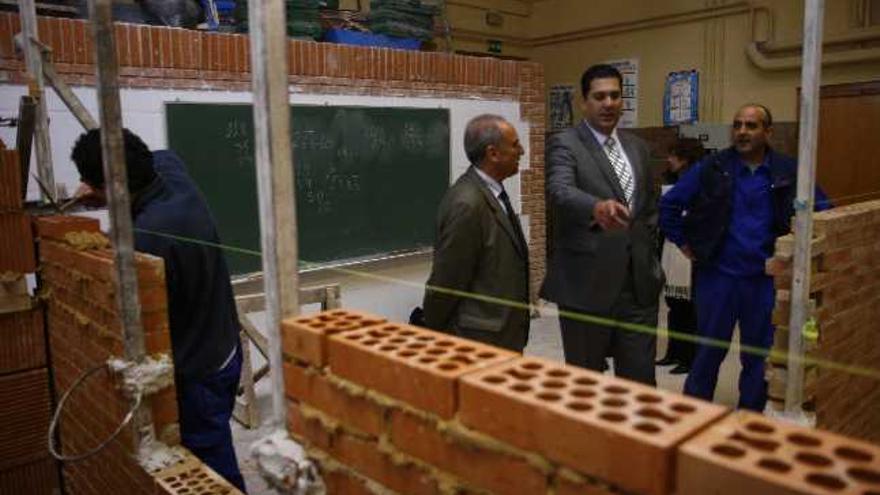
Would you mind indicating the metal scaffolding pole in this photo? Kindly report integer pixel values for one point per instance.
(274, 161)
(34, 62)
(118, 200)
(814, 14)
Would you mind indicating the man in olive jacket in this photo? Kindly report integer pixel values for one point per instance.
(479, 283)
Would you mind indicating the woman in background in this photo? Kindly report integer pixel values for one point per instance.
(682, 318)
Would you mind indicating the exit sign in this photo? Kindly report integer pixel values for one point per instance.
(494, 46)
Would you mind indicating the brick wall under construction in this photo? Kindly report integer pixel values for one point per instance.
(387, 407)
(77, 284)
(25, 397)
(77, 281)
(845, 302)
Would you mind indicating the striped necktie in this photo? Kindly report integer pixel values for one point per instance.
(621, 169)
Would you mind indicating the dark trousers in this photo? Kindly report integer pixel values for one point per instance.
(586, 344)
(205, 408)
(722, 300)
(682, 319)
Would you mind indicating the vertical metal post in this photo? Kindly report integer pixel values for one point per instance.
(814, 15)
(274, 161)
(28, 14)
(118, 199)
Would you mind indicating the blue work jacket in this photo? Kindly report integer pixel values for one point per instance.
(698, 211)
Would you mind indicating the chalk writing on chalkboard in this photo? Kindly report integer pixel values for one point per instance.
(239, 135)
(368, 179)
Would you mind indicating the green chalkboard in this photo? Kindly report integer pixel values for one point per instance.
(368, 180)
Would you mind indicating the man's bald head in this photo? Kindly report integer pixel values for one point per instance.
(767, 117)
(751, 132)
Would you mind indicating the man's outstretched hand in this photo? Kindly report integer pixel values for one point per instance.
(611, 214)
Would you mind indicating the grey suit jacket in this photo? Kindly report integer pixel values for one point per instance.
(477, 253)
(588, 265)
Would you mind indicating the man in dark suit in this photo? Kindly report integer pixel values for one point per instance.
(604, 268)
(479, 283)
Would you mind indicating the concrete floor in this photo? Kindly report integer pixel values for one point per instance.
(545, 341)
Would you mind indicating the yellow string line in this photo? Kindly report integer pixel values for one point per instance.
(774, 355)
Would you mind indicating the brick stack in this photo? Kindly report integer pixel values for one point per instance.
(780, 267)
(845, 290)
(747, 453)
(25, 463)
(390, 406)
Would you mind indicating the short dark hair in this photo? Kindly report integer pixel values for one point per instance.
(768, 122)
(481, 132)
(688, 149)
(599, 71)
(87, 156)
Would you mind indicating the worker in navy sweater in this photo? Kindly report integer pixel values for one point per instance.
(172, 221)
(725, 214)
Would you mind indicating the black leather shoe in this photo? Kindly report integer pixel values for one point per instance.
(667, 361)
(679, 369)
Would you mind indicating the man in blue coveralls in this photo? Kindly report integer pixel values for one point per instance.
(172, 221)
(725, 214)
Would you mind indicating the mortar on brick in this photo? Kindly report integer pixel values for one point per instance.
(335, 396)
(454, 432)
(451, 431)
(497, 472)
(336, 432)
(84, 240)
(148, 377)
(585, 420)
(577, 478)
(330, 465)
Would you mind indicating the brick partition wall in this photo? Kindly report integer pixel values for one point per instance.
(845, 300)
(171, 58)
(85, 330)
(25, 396)
(387, 407)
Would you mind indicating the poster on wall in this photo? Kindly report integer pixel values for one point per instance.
(561, 101)
(629, 69)
(681, 98)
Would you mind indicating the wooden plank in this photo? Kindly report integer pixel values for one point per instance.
(33, 60)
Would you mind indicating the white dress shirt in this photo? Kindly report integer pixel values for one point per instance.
(601, 138)
(494, 186)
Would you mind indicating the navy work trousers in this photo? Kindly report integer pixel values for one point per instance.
(205, 408)
(723, 300)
